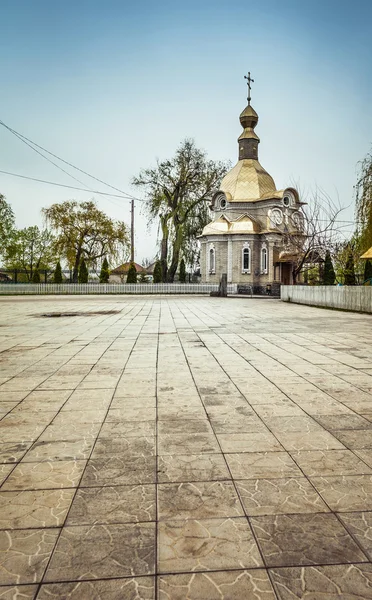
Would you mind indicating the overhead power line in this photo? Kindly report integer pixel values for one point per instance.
(28, 142)
(71, 187)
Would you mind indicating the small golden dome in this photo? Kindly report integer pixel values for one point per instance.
(249, 117)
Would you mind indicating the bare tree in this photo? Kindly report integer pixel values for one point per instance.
(315, 230)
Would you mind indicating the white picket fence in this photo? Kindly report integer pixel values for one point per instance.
(36, 289)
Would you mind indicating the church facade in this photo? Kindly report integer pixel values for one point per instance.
(253, 222)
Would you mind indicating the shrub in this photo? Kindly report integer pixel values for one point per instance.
(36, 277)
(367, 270)
(105, 273)
(132, 274)
(349, 270)
(157, 275)
(143, 277)
(182, 271)
(57, 277)
(329, 275)
(83, 272)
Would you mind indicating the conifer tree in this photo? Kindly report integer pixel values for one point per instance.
(329, 275)
(105, 273)
(368, 270)
(83, 272)
(132, 274)
(57, 277)
(182, 271)
(349, 270)
(157, 274)
(36, 277)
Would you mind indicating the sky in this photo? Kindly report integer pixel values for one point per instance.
(113, 86)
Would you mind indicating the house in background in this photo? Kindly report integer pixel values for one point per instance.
(119, 275)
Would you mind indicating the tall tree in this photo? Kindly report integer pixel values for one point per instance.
(132, 274)
(57, 277)
(329, 275)
(30, 249)
(105, 273)
(83, 272)
(368, 270)
(349, 269)
(182, 271)
(157, 274)
(84, 231)
(7, 224)
(177, 190)
(363, 201)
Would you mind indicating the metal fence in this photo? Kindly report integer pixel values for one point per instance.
(35, 289)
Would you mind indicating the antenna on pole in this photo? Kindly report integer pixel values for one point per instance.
(132, 231)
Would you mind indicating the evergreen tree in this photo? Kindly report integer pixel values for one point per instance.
(157, 275)
(83, 272)
(57, 277)
(143, 277)
(367, 270)
(132, 274)
(349, 270)
(182, 271)
(36, 277)
(329, 275)
(105, 273)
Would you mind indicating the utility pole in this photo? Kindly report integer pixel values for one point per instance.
(132, 231)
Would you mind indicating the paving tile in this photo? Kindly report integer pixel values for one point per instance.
(131, 588)
(206, 544)
(69, 432)
(24, 554)
(345, 492)
(266, 465)
(128, 429)
(279, 496)
(116, 415)
(5, 471)
(23, 592)
(45, 475)
(248, 442)
(218, 585)
(359, 524)
(198, 500)
(329, 462)
(12, 452)
(119, 470)
(309, 440)
(119, 504)
(192, 467)
(336, 582)
(340, 422)
(182, 426)
(360, 438)
(184, 443)
(59, 450)
(287, 540)
(130, 446)
(38, 508)
(99, 551)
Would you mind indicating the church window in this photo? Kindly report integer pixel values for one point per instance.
(212, 260)
(264, 259)
(246, 259)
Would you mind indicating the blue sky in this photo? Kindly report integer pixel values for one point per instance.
(111, 86)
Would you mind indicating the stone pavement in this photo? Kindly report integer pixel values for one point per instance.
(223, 446)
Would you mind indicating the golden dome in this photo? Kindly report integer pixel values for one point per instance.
(247, 181)
(249, 117)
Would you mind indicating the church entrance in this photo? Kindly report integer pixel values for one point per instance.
(286, 274)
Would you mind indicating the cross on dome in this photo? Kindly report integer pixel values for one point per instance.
(249, 81)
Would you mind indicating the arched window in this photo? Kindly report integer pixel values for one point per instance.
(264, 259)
(212, 260)
(246, 259)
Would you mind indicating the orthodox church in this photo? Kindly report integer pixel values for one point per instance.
(253, 222)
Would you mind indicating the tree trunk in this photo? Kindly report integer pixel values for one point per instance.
(75, 273)
(164, 247)
(176, 249)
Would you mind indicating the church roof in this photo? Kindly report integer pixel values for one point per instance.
(224, 226)
(247, 181)
(367, 254)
